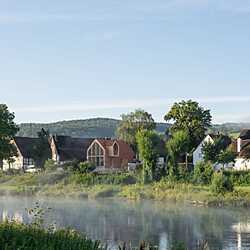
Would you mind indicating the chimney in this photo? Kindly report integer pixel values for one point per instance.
(239, 145)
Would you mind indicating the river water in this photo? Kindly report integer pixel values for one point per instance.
(115, 221)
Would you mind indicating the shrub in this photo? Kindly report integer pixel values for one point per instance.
(239, 178)
(50, 165)
(109, 179)
(85, 167)
(221, 184)
(203, 173)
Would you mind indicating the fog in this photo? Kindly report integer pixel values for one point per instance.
(115, 221)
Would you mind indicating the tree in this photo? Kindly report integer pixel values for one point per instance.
(41, 151)
(203, 173)
(217, 150)
(8, 130)
(177, 146)
(226, 156)
(221, 184)
(189, 116)
(132, 123)
(210, 152)
(147, 141)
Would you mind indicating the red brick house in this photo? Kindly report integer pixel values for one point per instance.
(110, 154)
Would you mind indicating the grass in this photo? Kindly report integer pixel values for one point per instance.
(66, 184)
(19, 236)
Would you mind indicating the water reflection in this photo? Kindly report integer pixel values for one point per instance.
(160, 223)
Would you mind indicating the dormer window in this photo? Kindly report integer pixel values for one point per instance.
(115, 149)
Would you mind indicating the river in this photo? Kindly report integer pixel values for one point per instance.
(115, 221)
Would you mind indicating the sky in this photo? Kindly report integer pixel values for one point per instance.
(63, 60)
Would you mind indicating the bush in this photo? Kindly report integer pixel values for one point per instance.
(203, 173)
(109, 179)
(85, 167)
(239, 178)
(19, 236)
(221, 184)
(50, 165)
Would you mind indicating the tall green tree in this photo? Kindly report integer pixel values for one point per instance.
(226, 156)
(147, 141)
(177, 146)
(212, 150)
(8, 130)
(132, 123)
(41, 150)
(191, 117)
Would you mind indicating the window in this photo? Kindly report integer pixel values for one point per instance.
(115, 149)
(96, 155)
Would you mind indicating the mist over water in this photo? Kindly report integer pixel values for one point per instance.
(115, 221)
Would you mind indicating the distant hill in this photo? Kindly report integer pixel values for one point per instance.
(97, 127)
(105, 127)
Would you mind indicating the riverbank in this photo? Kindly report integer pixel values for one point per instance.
(66, 184)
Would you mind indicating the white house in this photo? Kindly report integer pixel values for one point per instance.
(197, 154)
(242, 142)
(211, 138)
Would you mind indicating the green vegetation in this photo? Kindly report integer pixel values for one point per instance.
(132, 123)
(203, 173)
(177, 147)
(8, 129)
(221, 184)
(147, 141)
(19, 236)
(93, 128)
(190, 117)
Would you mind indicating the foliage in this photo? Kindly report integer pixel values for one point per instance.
(239, 178)
(147, 141)
(227, 156)
(85, 167)
(190, 117)
(8, 130)
(41, 150)
(211, 151)
(132, 123)
(50, 165)
(203, 173)
(221, 184)
(19, 236)
(177, 146)
(110, 179)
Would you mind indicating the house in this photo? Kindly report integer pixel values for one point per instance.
(243, 142)
(23, 160)
(110, 154)
(210, 138)
(66, 148)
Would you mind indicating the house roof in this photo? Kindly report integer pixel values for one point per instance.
(25, 145)
(70, 148)
(124, 148)
(245, 143)
(245, 134)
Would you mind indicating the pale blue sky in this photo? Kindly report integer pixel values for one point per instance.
(77, 59)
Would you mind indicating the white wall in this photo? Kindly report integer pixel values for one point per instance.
(198, 155)
(242, 164)
(17, 164)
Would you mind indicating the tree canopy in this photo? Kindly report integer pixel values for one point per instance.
(8, 130)
(189, 116)
(41, 151)
(132, 123)
(147, 141)
(177, 146)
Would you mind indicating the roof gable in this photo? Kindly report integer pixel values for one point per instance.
(25, 145)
